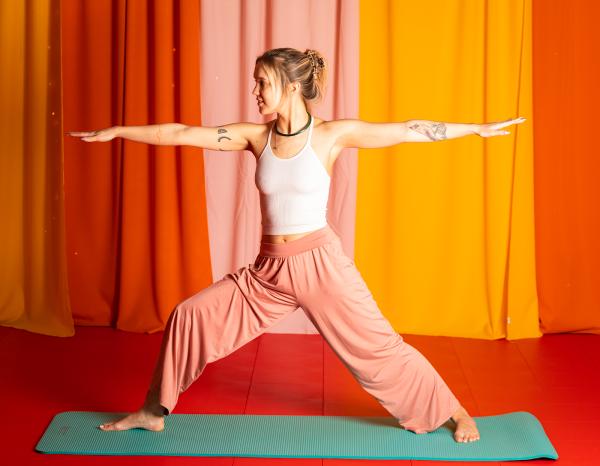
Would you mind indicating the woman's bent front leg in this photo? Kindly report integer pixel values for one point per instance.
(339, 303)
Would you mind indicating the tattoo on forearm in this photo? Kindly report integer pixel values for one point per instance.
(434, 131)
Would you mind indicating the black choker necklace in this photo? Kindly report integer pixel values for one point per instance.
(297, 132)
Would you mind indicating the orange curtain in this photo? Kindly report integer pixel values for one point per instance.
(33, 276)
(136, 233)
(445, 230)
(566, 72)
(137, 241)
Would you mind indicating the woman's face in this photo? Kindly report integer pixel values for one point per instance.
(267, 96)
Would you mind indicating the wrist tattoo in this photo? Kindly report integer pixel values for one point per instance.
(434, 131)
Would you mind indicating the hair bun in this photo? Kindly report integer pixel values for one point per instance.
(318, 64)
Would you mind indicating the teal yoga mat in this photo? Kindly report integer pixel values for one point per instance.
(514, 436)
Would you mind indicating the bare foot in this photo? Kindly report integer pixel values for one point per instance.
(143, 419)
(466, 428)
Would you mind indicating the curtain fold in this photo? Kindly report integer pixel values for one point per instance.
(444, 232)
(566, 72)
(33, 276)
(137, 238)
(234, 34)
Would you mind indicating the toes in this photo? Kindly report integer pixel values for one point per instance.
(109, 426)
(473, 437)
(464, 437)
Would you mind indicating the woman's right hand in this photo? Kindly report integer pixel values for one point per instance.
(100, 135)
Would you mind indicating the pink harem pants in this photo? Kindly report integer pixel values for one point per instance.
(314, 273)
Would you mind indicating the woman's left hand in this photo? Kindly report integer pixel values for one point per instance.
(495, 129)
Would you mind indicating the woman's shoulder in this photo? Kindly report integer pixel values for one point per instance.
(325, 125)
(333, 122)
(334, 127)
(256, 134)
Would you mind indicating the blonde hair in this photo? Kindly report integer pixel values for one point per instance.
(287, 65)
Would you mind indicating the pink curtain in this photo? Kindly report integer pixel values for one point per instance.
(234, 33)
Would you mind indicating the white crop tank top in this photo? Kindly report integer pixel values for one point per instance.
(293, 191)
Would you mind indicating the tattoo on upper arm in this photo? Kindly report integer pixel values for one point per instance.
(222, 131)
(434, 131)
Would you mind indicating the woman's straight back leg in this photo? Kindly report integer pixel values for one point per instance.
(215, 322)
(208, 326)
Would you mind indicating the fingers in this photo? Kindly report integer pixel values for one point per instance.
(83, 134)
(517, 121)
(513, 121)
(80, 133)
(87, 136)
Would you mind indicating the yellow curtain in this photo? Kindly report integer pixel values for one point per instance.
(445, 235)
(33, 285)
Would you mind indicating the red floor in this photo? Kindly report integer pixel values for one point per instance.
(556, 378)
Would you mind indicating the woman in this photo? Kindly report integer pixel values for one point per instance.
(301, 261)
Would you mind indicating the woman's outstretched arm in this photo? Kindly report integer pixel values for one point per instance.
(364, 134)
(235, 136)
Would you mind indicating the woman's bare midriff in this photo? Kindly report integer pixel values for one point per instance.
(280, 239)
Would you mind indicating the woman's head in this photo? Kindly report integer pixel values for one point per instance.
(286, 73)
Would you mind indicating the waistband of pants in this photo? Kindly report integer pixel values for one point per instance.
(306, 243)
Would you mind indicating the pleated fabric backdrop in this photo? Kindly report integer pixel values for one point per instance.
(244, 30)
(137, 239)
(445, 233)
(33, 271)
(445, 230)
(566, 63)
